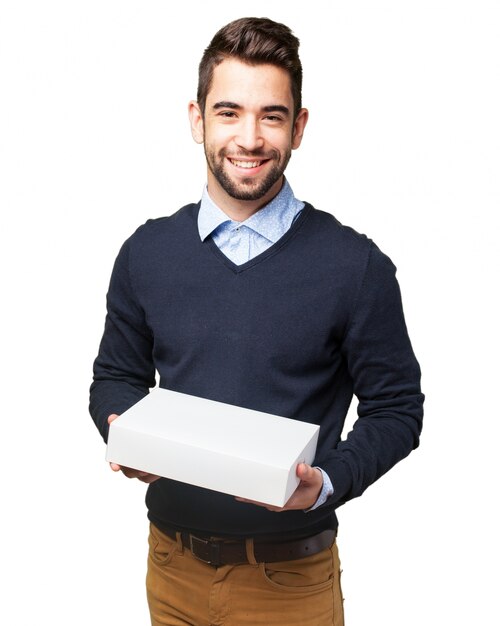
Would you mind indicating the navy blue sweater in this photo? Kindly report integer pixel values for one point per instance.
(294, 332)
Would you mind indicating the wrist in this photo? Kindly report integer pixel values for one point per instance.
(325, 492)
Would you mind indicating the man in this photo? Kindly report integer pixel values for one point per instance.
(254, 298)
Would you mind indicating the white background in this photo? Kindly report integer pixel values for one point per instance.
(403, 144)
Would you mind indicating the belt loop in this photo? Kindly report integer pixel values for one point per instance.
(250, 552)
(178, 538)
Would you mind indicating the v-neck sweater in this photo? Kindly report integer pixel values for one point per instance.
(294, 332)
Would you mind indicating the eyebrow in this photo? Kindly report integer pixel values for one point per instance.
(277, 108)
(224, 104)
(272, 108)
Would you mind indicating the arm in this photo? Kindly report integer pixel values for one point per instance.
(386, 381)
(124, 369)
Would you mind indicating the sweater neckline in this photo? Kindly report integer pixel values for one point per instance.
(263, 256)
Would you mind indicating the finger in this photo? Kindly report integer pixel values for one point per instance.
(309, 475)
(112, 417)
(305, 472)
(149, 478)
(297, 501)
(130, 473)
(145, 477)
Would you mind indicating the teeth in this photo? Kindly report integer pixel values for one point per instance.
(245, 164)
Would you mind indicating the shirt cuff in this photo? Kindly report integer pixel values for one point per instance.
(325, 493)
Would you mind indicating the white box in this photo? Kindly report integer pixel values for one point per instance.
(214, 445)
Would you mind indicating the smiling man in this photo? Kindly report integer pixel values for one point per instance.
(255, 298)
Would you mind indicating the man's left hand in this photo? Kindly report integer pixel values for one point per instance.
(306, 494)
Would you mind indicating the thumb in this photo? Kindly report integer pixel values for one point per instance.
(305, 472)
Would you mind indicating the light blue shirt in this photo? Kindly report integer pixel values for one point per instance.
(242, 241)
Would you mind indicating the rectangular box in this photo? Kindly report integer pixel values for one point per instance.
(214, 445)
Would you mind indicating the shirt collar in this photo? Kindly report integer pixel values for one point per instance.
(271, 221)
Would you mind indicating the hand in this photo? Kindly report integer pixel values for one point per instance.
(128, 471)
(306, 494)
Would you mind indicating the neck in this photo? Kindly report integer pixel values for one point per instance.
(240, 210)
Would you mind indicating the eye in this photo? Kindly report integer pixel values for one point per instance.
(273, 118)
(227, 114)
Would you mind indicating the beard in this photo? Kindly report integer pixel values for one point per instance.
(247, 188)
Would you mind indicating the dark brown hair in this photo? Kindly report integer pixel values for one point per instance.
(254, 40)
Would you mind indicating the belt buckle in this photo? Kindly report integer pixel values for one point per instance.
(210, 550)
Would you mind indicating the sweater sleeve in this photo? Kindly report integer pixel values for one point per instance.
(124, 369)
(386, 382)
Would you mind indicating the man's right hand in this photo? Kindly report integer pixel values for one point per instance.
(128, 471)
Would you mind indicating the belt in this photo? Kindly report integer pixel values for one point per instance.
(217, 552)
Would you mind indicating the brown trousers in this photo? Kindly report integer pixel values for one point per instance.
(183, 590)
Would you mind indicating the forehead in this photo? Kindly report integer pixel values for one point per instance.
(250, 85)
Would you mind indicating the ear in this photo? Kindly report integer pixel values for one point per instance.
(298, 127)
(196, 121)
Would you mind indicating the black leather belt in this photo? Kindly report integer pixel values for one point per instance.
(217, 552)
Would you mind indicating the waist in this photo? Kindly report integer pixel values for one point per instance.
(216, 551)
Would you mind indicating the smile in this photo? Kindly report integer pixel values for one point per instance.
(246, 164)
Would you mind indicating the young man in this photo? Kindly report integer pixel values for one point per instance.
(254, 298)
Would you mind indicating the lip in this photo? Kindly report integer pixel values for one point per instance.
(246, 171)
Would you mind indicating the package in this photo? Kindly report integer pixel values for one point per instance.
(211, 444)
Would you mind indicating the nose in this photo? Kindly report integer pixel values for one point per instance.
(249, 136)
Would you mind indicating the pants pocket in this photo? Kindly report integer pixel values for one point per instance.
(312, 573)
(161, 547)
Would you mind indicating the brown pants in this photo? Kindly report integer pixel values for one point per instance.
(184, 590)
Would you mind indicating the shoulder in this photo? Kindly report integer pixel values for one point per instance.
(338, 242)
(159, 240)
(165, 231)
(344, 251)
(333, 228)
(160, 226)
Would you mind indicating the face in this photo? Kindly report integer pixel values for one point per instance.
(248, 132)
